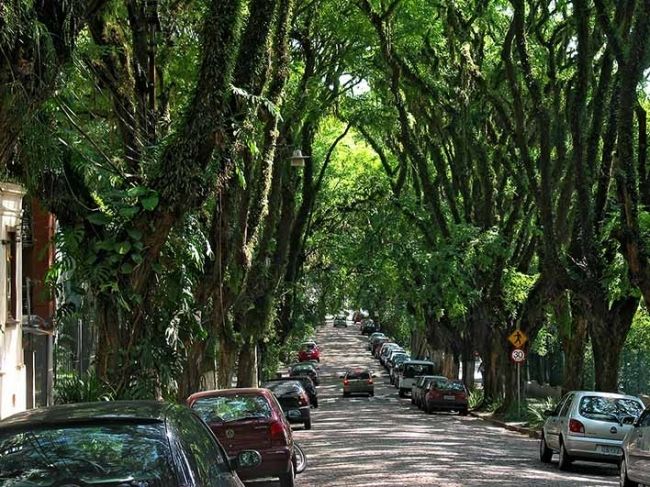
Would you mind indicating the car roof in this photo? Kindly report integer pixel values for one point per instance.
(250, 391)
(155, 411)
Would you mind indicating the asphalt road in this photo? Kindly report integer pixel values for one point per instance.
(384, 441)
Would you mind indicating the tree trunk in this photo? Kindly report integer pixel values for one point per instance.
(247, 367)
(192, 370)
(608, 331)
(573, 333)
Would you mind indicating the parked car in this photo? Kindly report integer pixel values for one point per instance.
(386, 353)
(420, 387)
(390, 360)
(379, 344)
(306, 382)
(304, 368)
(635, 463)
(590, 426)
(447, 395)
(371, 340)
(395, 367)
(116, 443)
(309, 351)
(369, 327)
(294, 400)
(410, 370)
(358, 380)
(340, 322)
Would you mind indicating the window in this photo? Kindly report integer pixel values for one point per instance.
(567, 404)
(11, 275)
(231, 408)
(204, 455)
(644, 422)
(411, 370)
(609, 408)
(358, 375)
(43, 456)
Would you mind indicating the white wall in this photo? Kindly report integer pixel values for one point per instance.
(12, 368)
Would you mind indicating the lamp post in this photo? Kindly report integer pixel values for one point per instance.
(297, 159)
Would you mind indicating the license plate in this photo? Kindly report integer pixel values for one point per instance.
(449, 398)
(609, 450)
(294, 413)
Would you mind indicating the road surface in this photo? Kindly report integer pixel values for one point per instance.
(384, 441)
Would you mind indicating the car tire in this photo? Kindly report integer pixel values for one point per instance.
(565, 458)
(625, 480)
(288, 479)
(316, 404)
(372, 394)
(346, 394)
(401, 393)
(412, 400)
(428, 410)
(308, 424)
(463, 412)
(545, 453)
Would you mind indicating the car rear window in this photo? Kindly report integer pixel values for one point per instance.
(453, 386)
(302, 369)
(232, 407)
(282, 388)
(358, 374)
(608, 408)
(308, 346)
(90, 453)
(411, 370)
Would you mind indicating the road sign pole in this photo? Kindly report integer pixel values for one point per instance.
(519, 390)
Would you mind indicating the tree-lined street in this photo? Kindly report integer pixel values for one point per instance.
(384, 441)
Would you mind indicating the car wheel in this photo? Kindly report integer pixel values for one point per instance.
(372, 394)
(308, 424)
(346, 394)
(402, 393)
(287, 479)
(412, 399)
(316, 404)
(463, 412)
(427, 409)
(545, 453)
(565, 458)
(625, 480)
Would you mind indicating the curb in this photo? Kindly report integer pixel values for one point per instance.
(517, 429)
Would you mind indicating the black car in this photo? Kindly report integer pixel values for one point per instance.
(306, 382)
(294, 400)
(115, 444)
(369, 327)
(304, 368)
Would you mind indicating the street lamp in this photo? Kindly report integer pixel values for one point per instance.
(297, 159)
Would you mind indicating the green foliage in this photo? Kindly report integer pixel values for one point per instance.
(74, 388)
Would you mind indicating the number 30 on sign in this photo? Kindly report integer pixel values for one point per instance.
(518, 355)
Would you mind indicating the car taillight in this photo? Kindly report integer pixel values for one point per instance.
(576, 426)
(277, 433)
(346, 382)
(369, 381)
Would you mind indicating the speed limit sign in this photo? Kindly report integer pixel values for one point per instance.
(518, 355)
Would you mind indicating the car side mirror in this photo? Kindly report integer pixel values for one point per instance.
(247, 459)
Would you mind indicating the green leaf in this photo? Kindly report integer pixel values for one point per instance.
(98, 218)
(134, 234)
(126, 268)
(150, 202)
(137, 191)
(123, 248)
(129, 212)
(137, 258)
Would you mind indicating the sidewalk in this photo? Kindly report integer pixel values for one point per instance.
(511, 426)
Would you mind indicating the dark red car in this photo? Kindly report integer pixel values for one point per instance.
(309, 351)
(449, 395)
(243, 419)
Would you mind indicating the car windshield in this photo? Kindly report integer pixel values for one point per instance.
(114, 453)
(398, 359)
(302, 369)
(234, 407)
(453, 386)
(411, 370)
(609, 408)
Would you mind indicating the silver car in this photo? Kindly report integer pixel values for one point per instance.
(588, 425)
(635, 464)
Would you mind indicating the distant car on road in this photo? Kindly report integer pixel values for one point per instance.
(589, 426)
(386, 353)
(410, 370)
(446, 395)
(358, 380)
(369, 327)
(635, 464)
(120, 443)
(294, 400)
(309, 351)
(340, 322)
(395, 366)
(305, 368)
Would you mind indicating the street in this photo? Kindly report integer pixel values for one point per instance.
(384, 441)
